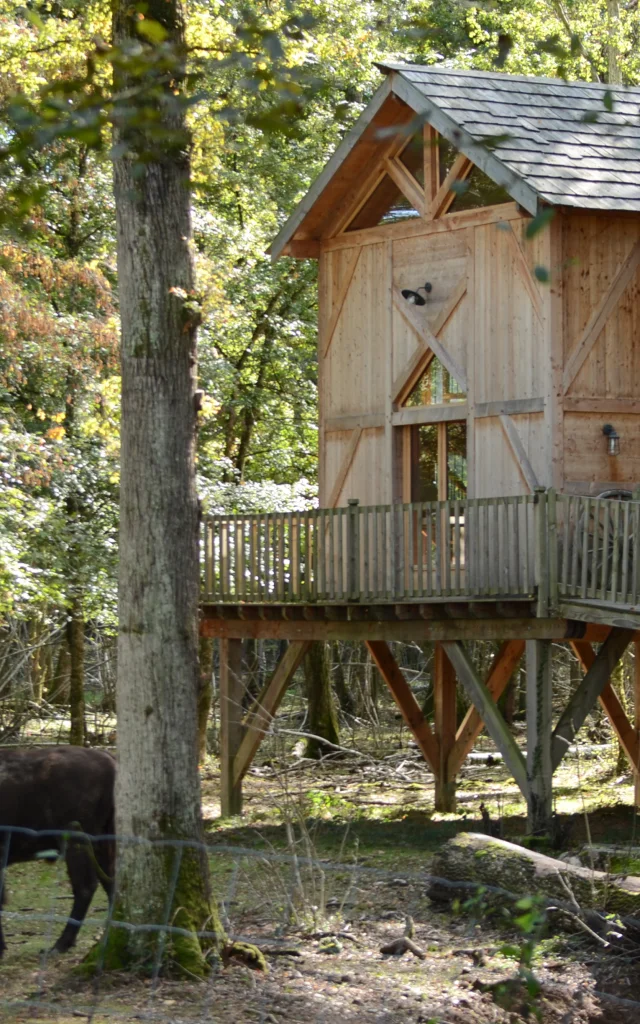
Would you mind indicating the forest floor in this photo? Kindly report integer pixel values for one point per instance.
(327, 863)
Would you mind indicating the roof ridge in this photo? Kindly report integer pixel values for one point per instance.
(441, 69)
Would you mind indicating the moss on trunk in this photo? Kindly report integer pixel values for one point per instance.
(194, 938)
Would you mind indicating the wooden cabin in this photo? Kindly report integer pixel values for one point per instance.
(478, 242)
(462, 352)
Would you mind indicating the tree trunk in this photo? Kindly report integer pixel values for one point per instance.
(614, 74)
(57, 689)
(342, 690)
(158, 785)
(75, 643)
(205, 693)
(473, 857)
(322, 720)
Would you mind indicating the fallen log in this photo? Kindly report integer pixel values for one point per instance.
(473, 857)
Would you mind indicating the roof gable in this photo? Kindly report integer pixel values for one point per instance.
(549, 140)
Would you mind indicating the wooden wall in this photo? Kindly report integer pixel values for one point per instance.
(601, 347)
(546, 362)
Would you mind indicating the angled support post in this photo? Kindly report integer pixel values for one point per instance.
(627, 734)
(411, 711)
(539, 709)
(444, 702)
(587, 693)
(485, 705)
(502, 669)
(231, 729)
(258, 719)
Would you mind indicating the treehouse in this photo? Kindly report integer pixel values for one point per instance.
(478, 242)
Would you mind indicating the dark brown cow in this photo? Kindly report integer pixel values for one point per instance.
(59, 789)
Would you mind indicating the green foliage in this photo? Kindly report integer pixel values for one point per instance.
(270, 91)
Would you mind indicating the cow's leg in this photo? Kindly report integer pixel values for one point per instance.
(84, 882)
(105, 852)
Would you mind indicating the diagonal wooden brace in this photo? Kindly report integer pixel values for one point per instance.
(258, 719)
(485, 705)
(411, 712)
(502, 669)
(587, 693)
(612, 706)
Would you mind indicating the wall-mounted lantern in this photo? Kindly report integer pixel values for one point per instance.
(414, 298)
(613, 439)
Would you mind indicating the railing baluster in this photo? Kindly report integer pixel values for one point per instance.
(626, 550)
(604, 576)
(614, 561)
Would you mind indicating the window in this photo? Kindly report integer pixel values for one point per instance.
(385, 205)
(478, 190)
(412, 156)
(446, 156)
(439, 461)
(436, 386)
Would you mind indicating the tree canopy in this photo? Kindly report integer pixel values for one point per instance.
(270, 90)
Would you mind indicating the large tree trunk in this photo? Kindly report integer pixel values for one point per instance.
(322, 720)
(75, 642)
(158, 786)
(473, 857)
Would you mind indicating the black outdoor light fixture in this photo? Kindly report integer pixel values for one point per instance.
(613, 439)
(414, 297)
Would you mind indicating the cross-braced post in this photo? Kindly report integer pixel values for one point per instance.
(539, 761)
(444, 701)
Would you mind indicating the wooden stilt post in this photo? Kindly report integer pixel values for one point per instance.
(231, 729)
(636, 716)
(444, 701)
(539, 762)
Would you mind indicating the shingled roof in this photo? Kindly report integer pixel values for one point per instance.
(544, 140)
(553, 143)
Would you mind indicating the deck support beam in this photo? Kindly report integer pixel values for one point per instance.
(408, 705)
(485, 705)
(445, 720)
(231, 729)
(539, 710)
(587, 693)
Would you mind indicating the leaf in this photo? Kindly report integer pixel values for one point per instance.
(540, 221)
(152, 31)
(542, 274)
(34, 18)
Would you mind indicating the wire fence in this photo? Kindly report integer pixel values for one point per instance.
(322, 922)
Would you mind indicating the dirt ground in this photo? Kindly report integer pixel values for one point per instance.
(327, 865)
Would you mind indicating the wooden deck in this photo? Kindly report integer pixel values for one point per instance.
(542, 555)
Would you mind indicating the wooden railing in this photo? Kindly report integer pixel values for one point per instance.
(435, 551)
(599, 550)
